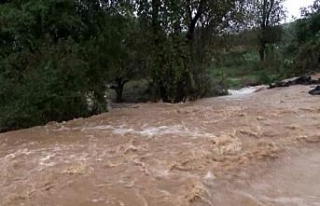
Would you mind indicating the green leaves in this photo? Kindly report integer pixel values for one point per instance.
(54, 53)
(46, 60)
(308, 30)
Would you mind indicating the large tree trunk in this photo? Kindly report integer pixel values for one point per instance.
(262, 51)
(185, 87)
(120, 82)
(159, 90)
(194, 20)
(163, 93)
(156, 26)
(119, 92)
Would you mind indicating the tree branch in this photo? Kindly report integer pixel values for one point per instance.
(269, 12)
(189, 12)
(194, 20)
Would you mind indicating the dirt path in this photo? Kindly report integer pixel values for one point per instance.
(256, 149)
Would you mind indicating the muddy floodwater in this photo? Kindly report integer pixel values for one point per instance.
(252, 149)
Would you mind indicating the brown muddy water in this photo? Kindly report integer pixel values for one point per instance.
(247, 150)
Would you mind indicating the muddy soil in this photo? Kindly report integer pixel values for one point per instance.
(246, 150)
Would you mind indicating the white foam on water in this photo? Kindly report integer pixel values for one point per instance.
(243, 91)
(246, 90)
(123, 131)
(18, 152)
(45, 161)
(150, 131)
(209, 176)
(173, 130)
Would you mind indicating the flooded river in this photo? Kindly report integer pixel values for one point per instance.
(247, 150)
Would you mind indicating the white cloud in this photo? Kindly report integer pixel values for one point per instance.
(293, 7)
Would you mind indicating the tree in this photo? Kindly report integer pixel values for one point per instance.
(310, 10)
(308, 39)
(180, 32)
(267, 15)
(52, 54)
(130, 63)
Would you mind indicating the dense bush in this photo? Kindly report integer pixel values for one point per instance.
(46, 61)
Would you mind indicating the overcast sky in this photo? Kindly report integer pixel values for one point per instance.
(293, 7)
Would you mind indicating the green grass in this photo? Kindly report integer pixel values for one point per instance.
(236, 77)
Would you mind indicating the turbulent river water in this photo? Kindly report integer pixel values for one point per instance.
(255, 149)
